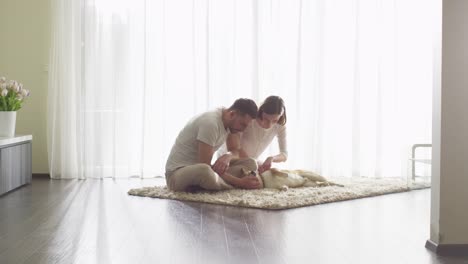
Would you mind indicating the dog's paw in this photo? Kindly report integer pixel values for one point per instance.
(284, 188)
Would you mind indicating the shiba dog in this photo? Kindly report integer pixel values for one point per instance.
(284, 179)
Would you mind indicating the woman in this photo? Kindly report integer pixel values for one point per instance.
(258, 135)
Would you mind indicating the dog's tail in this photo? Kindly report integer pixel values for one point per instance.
(309, 183)
(334, 184)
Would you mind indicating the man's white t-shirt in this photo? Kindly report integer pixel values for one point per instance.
(208, 128)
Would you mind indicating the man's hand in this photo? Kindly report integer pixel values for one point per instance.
(246, 182)
(222, 164)
(249, 182)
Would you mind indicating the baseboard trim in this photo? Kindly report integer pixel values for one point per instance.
(447, 249)
(41, 175)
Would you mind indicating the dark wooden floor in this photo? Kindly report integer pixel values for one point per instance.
(95, 221)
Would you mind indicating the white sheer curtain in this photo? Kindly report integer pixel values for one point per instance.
(125, 76)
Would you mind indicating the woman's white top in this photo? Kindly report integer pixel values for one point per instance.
(255, 139)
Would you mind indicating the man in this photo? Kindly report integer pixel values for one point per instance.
(189, 163)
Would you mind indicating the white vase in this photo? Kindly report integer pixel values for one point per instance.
(7, 123)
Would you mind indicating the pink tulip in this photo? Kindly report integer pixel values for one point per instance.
(25, 92)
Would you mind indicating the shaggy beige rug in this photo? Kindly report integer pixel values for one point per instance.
(292, 198)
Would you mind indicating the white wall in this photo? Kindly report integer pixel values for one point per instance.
(449, 216)
(437, 61)
(24, 54)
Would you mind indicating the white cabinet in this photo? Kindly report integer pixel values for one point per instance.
(15, 162)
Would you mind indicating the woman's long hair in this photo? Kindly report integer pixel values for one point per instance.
(273, 105)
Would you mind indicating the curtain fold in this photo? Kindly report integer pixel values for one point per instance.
(125, 76)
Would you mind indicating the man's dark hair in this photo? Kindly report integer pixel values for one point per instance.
(245, 106)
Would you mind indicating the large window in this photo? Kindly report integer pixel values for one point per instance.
(126, 76)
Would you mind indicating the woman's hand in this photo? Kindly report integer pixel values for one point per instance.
(261, 169)
(266, 165)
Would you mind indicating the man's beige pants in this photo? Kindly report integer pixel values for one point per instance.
(203, 176)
